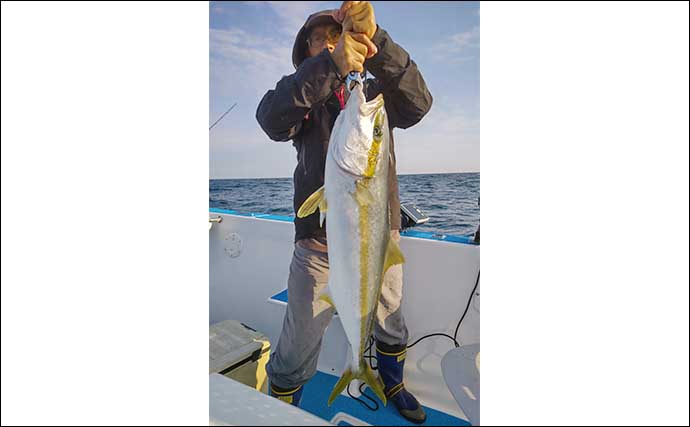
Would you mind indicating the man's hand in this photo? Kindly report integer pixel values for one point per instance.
(350, 52)
(358, 17)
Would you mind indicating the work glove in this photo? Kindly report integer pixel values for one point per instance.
(358, 17)
(351, 51)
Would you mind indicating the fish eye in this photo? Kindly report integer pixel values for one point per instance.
(377, 132)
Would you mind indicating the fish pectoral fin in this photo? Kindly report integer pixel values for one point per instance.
(393, 255)
(327, 299)
(323, 208)
(314, 201)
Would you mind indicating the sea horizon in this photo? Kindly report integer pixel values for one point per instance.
(449, 199)
(400, 174)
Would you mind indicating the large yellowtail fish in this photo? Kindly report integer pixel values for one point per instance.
(360, 250)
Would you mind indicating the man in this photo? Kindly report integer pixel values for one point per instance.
(303, 108)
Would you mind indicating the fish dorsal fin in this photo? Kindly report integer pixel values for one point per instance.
(393, 255)
(316, 200)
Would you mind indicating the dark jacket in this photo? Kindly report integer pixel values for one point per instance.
(303, 108)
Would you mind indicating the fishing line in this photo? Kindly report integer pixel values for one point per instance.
(467, 307)
(434, 335)
(457, 328)
(370, 356)
(361, 392)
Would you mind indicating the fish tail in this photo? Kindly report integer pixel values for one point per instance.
(373, 382)
(365, 374)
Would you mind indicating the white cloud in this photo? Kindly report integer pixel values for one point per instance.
(462, 40)
(292, 13)
(237, 45)
(446, 140)
(455, 48)
(215, 9)
(246, 63)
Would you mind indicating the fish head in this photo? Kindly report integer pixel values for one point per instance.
(360, 136)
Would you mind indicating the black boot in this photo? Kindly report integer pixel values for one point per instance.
(292, 396)
(391, 362)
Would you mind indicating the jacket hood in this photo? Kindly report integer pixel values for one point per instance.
(299, 49)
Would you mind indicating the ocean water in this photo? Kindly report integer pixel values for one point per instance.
(451, 201)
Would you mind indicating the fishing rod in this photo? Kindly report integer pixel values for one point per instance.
(221, 117)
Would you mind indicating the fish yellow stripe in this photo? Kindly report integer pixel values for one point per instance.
(363, 263)
(363, 197)
(372, 157)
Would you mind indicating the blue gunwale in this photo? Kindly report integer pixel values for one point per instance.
(467, 240)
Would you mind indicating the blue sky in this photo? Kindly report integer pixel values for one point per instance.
(250, 50)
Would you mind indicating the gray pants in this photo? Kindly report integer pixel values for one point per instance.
(294, 360)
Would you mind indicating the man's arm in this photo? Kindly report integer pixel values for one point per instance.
(281, 110)
(397, 77)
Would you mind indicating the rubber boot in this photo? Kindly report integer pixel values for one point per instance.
(391, 361)
(292, 396)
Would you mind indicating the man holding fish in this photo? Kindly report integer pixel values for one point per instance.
(346, 188)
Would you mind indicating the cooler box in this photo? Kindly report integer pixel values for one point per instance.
(239, 352)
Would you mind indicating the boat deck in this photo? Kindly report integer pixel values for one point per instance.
(320, 386)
